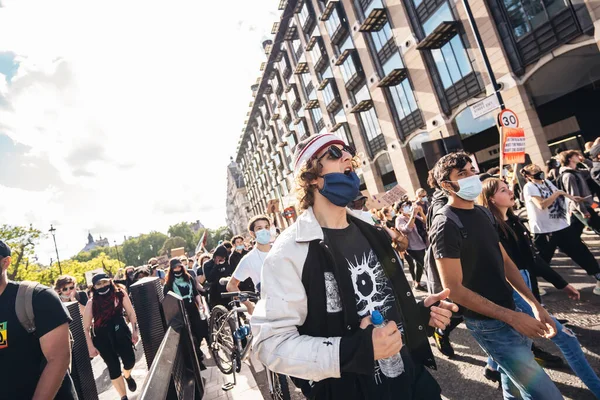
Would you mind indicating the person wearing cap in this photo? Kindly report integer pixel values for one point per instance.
(214, 270)
(156, 272)
(359, 209)
(180, 282)
(107, 333)
(22, 353)
(324, 277)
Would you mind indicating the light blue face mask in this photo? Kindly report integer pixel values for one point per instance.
(240, 247)
(263, 236)
(470, 188)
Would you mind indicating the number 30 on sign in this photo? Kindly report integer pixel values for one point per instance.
(508, 118)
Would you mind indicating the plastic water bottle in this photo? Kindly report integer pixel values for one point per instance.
(392, 366)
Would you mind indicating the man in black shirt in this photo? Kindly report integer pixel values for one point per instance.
(33, 365)
(475, 267)
(322, 280)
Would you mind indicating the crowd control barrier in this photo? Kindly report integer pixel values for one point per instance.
(81, 365)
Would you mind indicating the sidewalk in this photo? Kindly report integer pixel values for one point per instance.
(245, 389)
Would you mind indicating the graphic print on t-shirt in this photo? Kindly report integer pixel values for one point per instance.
(3, 335)
(370, 285)
(557, 210)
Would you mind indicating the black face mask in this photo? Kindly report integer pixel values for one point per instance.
(539, 176)
(105, 290)
(178, 274)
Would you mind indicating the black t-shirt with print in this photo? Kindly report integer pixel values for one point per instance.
(480, 256)
(373, 291)
(21, 356)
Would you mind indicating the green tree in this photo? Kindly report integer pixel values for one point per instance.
(216, 235)
(137, 251)
(172, 243)
(22, 241)
(184, 231)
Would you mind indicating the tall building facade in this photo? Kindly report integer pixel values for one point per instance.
(237, 207)
(389, 75)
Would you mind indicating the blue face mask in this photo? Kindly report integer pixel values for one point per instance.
(339, 188)
(263, 236)
(241, 247)
(470, 188)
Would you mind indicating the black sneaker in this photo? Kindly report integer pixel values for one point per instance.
(124, 398)
(491, 375)
(131, 385)
(442, 342)
(545, 359)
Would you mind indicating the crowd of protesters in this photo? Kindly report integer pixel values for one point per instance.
(475, 249)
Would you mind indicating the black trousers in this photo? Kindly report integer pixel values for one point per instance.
(113, 342)
(198, 326)
(416, 262)
(578, 222)
(569, 241)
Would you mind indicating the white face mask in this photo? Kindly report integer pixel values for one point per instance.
(470, 188)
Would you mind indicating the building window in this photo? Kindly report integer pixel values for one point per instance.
(386, 171)
(317, 118)
(307, 18)
(369, 123)
(526, 16)
(341, 128)
(309, 88)
(451, 60)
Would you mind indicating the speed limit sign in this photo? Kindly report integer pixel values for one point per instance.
(508, 118)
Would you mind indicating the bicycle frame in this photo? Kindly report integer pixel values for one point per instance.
(233, 314)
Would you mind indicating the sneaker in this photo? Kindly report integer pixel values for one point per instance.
(131, 385)
(420, 287)
(542, 292)
(545, 359)
(491, 375)
(596, 290)
(442, 342)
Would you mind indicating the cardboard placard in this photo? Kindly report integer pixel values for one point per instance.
(513, 145)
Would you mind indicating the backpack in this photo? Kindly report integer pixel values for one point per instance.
(559, 180)
(24, 305)
(434, 282)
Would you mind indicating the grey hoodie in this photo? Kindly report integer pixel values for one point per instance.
(575, 185)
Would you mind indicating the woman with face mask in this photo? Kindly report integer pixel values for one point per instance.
(180, 282)
(107, 332)
(549, 223)
(66, 287)
(515, 238)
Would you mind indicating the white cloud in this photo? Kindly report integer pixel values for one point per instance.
(130, 109)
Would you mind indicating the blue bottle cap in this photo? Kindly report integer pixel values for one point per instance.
(376, 318)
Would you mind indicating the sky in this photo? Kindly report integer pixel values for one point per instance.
(119, 117)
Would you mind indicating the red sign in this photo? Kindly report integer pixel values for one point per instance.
(289, 212)
(513, 145)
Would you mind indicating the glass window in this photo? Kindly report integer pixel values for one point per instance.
(416, 145)
(468, 126)
(304, 14)
(527, 15)
(327, 73)
(403, 99)
(316, 53)
(386, 170)
(451, 60)
(333, 22)
(362, 94)
(328, 94)
(370, 123)
(371, 6)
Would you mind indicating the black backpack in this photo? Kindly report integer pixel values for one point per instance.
(559, 180)
(434, 282)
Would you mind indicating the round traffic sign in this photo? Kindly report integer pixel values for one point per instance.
(508, 118)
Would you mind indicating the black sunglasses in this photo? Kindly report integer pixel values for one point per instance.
(66, 289)
(335, 153)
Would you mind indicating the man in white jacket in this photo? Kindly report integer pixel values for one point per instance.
(324, 277)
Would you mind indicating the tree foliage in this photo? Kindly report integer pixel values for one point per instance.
(172, 243)
(22, 241)
(137, 251)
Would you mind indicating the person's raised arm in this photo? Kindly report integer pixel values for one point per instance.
(87, 328)
(57, 352)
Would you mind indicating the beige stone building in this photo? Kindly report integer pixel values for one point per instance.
(390, 75)
(237, 207)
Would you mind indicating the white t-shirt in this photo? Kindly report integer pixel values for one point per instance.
(553, 218)
(250, 266)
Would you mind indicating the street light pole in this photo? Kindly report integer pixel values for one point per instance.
(486, 60)
(52, 231)
(117, 249)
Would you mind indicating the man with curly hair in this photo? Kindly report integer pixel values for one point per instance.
(322, 280)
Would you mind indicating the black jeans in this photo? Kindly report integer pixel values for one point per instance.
(568, 240)
(416, 257)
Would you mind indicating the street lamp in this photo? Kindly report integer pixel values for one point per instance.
(117, 249)
(52, 231)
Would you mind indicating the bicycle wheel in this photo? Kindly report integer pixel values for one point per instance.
(222, 344)
(280, 389)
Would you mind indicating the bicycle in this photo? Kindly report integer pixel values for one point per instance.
(231, 341)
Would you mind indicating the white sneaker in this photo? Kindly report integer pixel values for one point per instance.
(596, 290)
(543, 292)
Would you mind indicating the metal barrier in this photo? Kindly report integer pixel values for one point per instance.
(147, 295)
(175, 372)
(81, 366)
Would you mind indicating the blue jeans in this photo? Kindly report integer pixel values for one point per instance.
(517, 367)
(566, 341)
